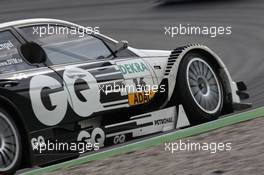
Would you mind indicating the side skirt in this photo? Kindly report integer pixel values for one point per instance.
(145, 124)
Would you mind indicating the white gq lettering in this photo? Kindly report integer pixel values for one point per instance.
(119, 139)
(60, 99)
(92, 138)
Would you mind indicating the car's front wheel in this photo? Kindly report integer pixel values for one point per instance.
(10, 144)
(201, 91)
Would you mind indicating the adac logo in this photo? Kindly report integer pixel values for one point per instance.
(131, 68)
(140, 97)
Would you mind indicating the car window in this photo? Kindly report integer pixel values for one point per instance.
(62, 45)
(10, 59)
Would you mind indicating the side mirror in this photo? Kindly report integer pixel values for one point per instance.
(33, 53)
(121, 45)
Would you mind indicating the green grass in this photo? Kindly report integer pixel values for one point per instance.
(206, 127)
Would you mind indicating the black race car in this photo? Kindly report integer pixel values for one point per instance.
(65, 90)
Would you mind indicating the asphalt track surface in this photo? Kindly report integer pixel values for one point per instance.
(142, 22)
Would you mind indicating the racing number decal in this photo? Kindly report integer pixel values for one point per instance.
(139, 81)
(59, 96)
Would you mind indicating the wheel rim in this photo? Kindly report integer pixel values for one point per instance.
(9, 144)
(204, 86)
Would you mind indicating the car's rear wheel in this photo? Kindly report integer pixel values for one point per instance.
(10, 144)
(200, 88)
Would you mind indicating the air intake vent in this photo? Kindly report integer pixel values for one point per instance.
(174, 56)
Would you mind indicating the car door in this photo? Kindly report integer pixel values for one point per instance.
(93, 83)
(32, 88)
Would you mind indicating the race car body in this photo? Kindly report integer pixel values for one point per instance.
(59, 90)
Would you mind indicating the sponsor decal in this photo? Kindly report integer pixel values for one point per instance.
(6, 45)
(12, 61)
(97, 136)
(131, 68)
(143, 92)
(86, 100)
(140, 97)
(20, 76)
(163, 121)
(61, 97)
(119, 139)
(143, 124)
(37, 142)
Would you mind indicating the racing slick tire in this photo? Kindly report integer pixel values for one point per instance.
(10, 144)
(200, 88)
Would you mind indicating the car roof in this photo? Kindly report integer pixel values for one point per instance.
(44, 20)
(34, 20)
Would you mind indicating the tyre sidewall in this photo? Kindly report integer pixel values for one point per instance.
(15, 167)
